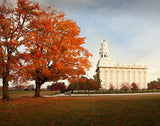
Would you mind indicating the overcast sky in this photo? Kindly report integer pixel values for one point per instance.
(130, 27)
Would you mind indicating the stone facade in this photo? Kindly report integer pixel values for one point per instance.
(111, 73)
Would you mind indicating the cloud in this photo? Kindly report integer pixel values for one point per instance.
(118, 7)
(68, 5)
(132, 39)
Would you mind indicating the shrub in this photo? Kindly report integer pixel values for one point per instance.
(134, 86)
(58, 86)
(153, 86)
(125, 86)
(111, 87)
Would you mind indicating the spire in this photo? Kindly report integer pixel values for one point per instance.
(104, 52)
(103, 39)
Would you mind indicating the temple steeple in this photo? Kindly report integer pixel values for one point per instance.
(113, 74)
(104, 52)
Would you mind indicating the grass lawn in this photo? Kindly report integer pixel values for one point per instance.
(76, 111)
(17, 94)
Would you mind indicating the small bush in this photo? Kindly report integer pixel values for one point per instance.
(134, 86)
(111, 87)
(58, 86)
(125, 86)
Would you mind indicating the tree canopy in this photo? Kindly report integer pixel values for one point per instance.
(52, 45)
(13, 27)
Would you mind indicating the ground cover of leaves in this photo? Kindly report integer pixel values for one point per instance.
(72, 111)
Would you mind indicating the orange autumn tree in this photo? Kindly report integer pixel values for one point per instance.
(13, 26)
(54, 49)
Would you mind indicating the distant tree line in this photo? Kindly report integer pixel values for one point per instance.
(84, 84)
(20, 88)
(154, 84)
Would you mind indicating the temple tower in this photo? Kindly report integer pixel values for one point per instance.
(116, 74)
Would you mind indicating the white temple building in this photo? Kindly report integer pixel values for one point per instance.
(115, 74)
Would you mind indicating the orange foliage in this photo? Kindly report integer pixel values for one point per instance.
(54, 49)
(13, 27)
(52, 45)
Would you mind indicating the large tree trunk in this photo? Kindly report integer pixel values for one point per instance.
(5, 89)
(37, 91)
(6, 78)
